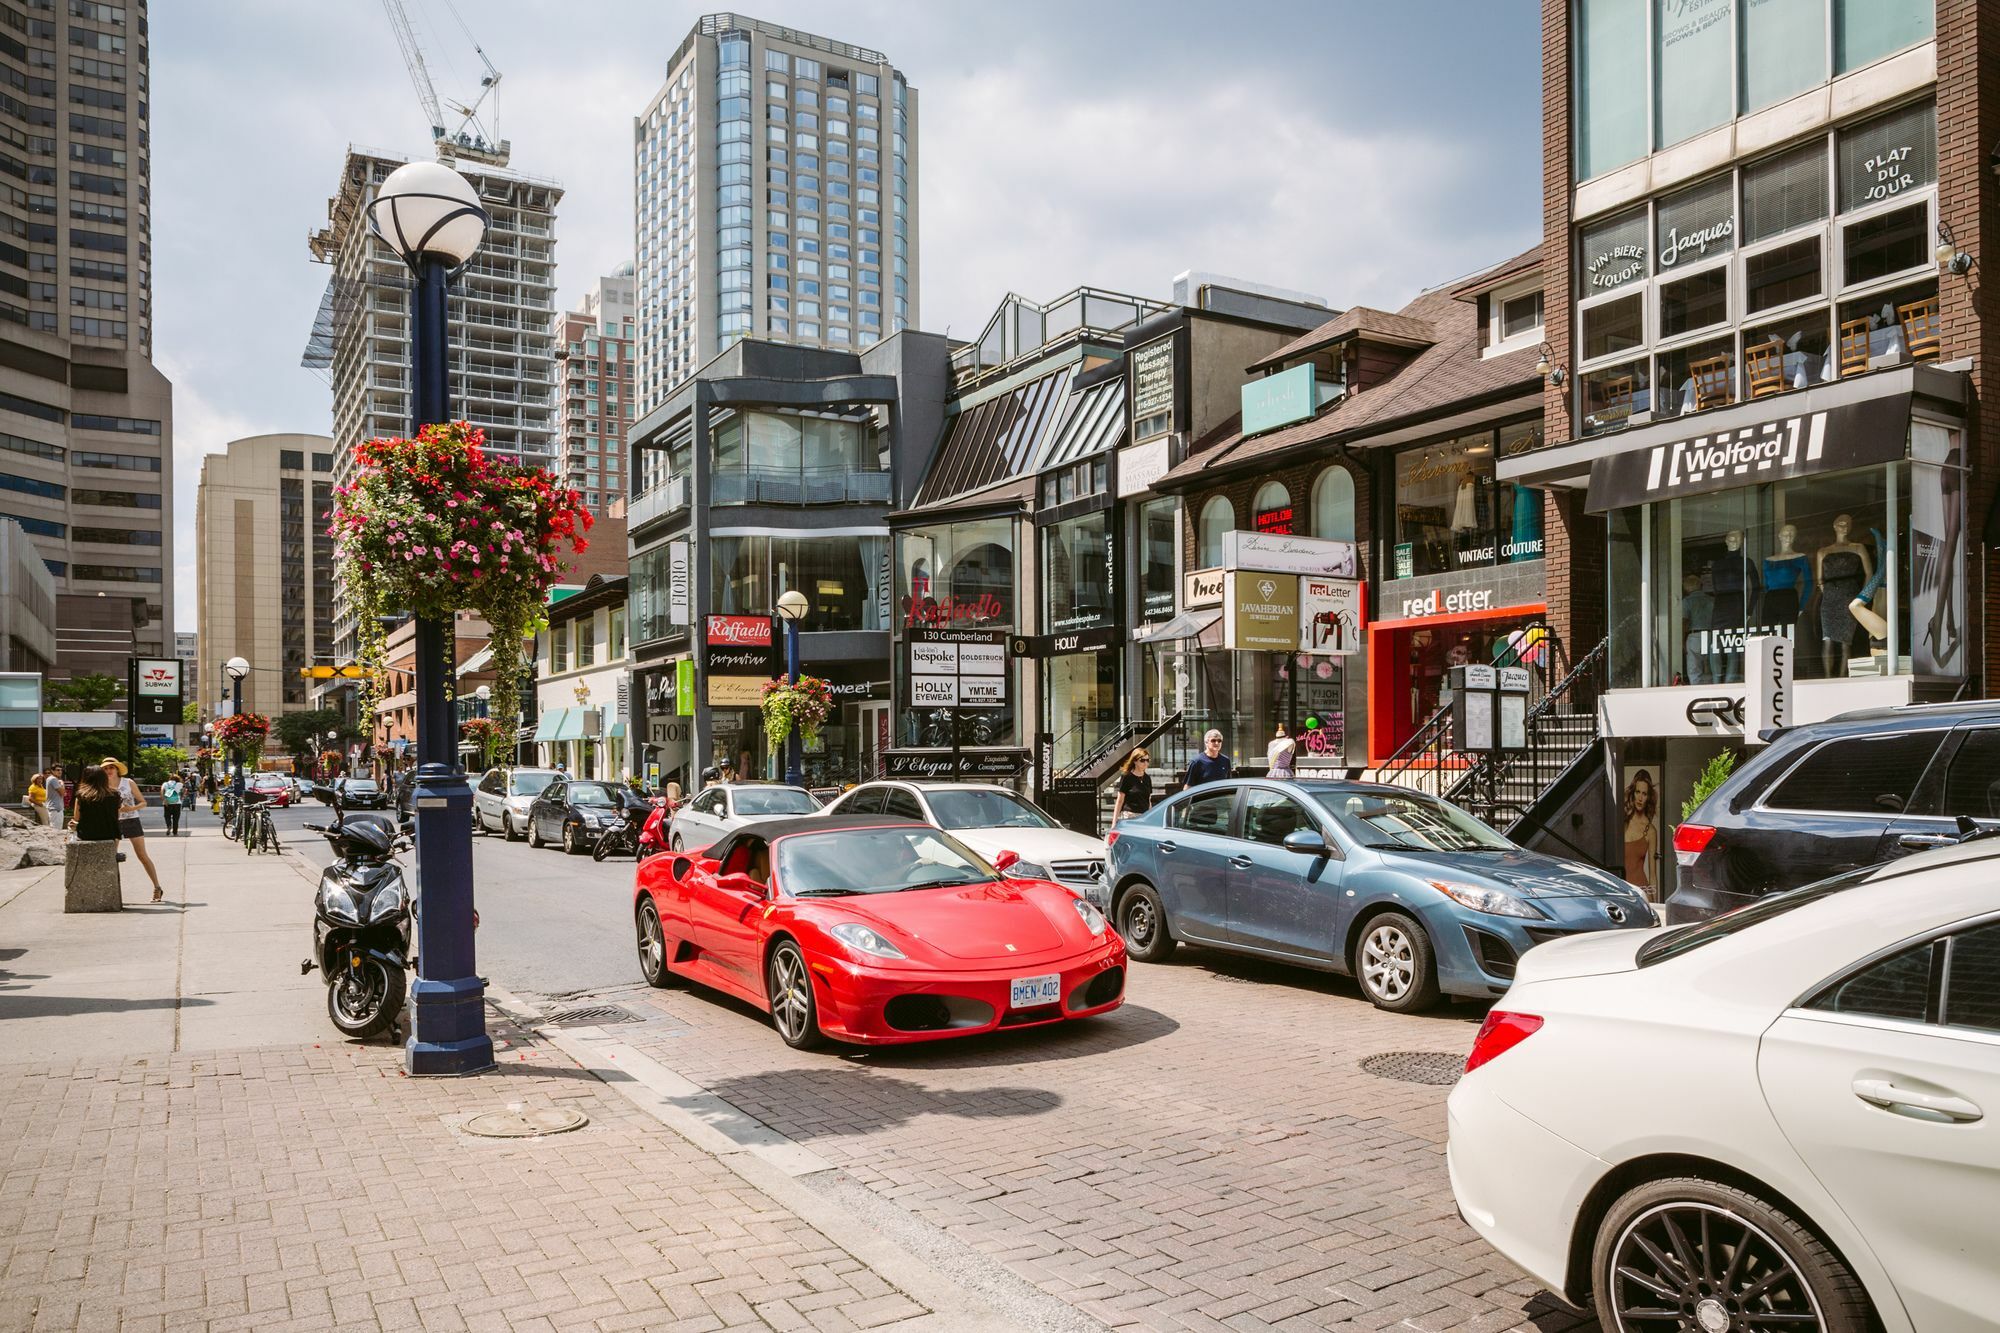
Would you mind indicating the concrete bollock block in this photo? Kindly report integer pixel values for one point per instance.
(90, 877)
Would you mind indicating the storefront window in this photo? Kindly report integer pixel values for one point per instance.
(1158, 543)
(956, 574)
(1610, 45)
(843, 578)
(1452, 514)
(1077, 573)
(1247, 695)
(1333, 505)
(650, 596)
(1083, 701)
(1694, 72)
(1856, 568)
(1217, 517)
(1271, 509)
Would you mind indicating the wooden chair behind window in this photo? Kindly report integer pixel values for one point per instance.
(1922, 334)
(1711, 382)
(1765, 366)
(1617, 398)
(1853, 346)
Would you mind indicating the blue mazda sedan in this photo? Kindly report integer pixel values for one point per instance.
(1409, 895)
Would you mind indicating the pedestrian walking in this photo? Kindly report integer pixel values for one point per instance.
(58, 793)
(1211, 765)
(1135, 787)
(187, 790)
(38, 798)
(1281, 753)
(170, 805)
(130, 827)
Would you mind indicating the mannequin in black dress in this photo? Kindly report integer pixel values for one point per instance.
(1844, 567)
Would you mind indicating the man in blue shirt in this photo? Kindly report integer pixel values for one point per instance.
(1211, 765)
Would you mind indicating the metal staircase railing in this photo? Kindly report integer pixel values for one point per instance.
(1426, 762)
(1501, 788)
(1090, 768)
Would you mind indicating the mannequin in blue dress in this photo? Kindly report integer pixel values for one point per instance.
(1788, 585)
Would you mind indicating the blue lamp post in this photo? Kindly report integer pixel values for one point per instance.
(431, 217)
(792, 608)
(236, 669)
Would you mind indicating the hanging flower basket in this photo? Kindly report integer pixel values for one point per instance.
(433, 526)
(244, 731)
(805, 705)
(487, 736)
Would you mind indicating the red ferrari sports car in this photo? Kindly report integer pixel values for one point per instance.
(873, 930)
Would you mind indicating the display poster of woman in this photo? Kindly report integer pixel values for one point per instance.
(1641, 809)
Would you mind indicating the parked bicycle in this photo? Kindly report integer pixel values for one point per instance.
(260, 831)
(232, 814)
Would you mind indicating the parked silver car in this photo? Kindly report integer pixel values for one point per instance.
(500, 802)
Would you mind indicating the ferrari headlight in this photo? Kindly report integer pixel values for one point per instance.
(1092, 918)
(387, 901)
(1494, 902)
(863, 940)
(340, 905)
(1027, 870)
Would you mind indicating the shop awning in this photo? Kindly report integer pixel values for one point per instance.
(551, 722)
(1187, 625)
(617, 732)
(476, 662)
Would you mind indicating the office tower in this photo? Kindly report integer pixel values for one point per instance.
(502, 306)
(775, 178)
(264, 581)
(86, 422)
(594, 346)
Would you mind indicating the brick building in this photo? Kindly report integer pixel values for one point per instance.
(1766, 335)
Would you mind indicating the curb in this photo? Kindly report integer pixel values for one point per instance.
(764, 1159)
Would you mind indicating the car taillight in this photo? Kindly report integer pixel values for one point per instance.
(1500, 1033)
(1110, 838)
(1689, 842)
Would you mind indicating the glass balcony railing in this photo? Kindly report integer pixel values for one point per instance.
(807, 486)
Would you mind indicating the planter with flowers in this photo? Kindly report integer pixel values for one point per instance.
(433, 526)
(488, 737)
(805, 705)
(245, 732)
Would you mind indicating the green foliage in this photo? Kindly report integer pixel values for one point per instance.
(190, 714)
(296, 731)
(82, 746)
(154, 764)
(1714, 775)
(83, 694)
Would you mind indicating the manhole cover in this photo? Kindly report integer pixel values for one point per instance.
(593, 1014)
(515, 1123)
(1437, 1068)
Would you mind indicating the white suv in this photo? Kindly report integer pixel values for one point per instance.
(500, 802)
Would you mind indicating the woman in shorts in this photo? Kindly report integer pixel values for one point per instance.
(130, 802)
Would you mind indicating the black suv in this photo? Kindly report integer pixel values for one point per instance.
(1851, 791)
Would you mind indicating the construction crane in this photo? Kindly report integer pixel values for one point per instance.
(470, 140)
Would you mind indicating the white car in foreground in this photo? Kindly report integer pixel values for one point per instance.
(990, 820)
(1785, 1118)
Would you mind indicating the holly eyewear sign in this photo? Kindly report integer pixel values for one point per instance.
(740, 631)
(1261, 611)
(1874, 430)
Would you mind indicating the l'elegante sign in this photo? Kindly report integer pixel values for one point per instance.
(1874, 430)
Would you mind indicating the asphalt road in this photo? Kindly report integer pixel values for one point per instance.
(549, 924)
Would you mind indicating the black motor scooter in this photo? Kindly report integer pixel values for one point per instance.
(361, 923)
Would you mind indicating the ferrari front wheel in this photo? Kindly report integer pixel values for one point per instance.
(653, 946)
(789, 986)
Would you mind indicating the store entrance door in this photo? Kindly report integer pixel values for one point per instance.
(873, 725)
(1408, 661)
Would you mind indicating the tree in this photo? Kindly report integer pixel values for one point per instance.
(190, 714)
(80, 747)
(296, 731)
(87, 693)
(154, 764)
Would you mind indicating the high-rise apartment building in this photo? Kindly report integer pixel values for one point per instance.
(265, 574)
(594, 346)
(502, 305)
(775, 182)
(86, 422)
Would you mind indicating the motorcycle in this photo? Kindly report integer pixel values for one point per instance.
(638, 835)
(361, 924)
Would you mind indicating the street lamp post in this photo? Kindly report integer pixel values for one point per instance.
(236, 669)
(431, 217)
(792, 608)
(484, 694)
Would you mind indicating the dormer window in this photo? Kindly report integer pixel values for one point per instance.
(1521, 316)
(1513, 317)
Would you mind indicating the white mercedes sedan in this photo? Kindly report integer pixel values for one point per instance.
(1786, 1118)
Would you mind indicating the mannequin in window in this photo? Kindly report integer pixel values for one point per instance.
(1698, 616)
(1737, 586)
(1844, 567)
(1863, 605)
(1788, 585)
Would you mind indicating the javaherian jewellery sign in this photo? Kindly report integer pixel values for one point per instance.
(1875, 430)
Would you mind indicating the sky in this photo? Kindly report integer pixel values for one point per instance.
(1360, 150)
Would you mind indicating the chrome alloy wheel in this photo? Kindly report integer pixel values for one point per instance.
(1388, 962)
(652, 944)
(1695, 1266)
(791, 994)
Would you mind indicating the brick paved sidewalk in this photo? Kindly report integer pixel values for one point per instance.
(316, 1187)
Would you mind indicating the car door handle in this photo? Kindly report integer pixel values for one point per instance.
(1241, 862)
(1918, 842)
(1881, 1092)
(1166, 847)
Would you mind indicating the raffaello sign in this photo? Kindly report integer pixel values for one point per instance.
(739, 631)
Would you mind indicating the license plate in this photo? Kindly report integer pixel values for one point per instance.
(1033, 992)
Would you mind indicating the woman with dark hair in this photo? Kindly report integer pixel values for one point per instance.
(1641, 809)
(95, 812)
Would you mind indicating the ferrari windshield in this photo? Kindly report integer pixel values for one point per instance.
(1397, 820)
(774, 801)
(593, 793)
(875, 860)
(985, 809)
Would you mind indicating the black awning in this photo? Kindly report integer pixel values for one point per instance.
(1831, 439)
